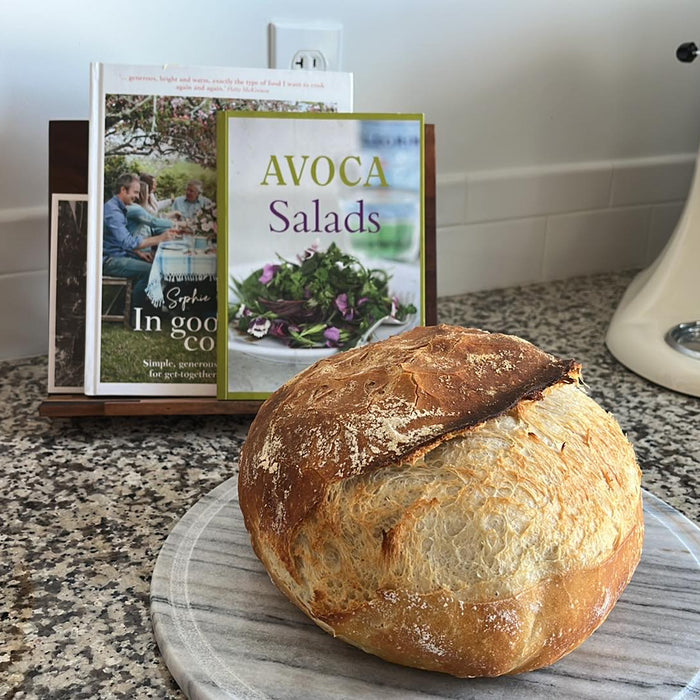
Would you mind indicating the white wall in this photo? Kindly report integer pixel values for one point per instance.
(559, 125)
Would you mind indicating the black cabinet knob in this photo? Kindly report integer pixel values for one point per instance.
(687, 52)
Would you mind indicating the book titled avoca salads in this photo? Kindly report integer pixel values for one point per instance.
(322, 236)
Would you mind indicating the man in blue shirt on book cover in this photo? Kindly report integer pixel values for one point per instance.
(125, 254)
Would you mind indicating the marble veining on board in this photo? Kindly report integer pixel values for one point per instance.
(225, 631)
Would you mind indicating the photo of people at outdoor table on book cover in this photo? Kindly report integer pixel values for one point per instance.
(159, 232)
(159, 229)
(323, 244)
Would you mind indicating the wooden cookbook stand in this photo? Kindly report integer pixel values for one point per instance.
(68, 173)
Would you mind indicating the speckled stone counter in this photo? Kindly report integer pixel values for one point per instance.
(87, 503)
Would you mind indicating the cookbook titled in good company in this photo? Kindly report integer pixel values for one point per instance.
(321, 224)
(152, 230)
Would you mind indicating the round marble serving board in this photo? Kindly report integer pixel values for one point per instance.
(225, 631)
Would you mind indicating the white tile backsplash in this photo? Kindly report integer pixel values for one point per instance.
(600, 216)
(520, 193)
(664, 218)
(483, 256)
(598, 241)
(24, 320)
(24, 241)
(651, 180)
(451, 199)
(24, 256)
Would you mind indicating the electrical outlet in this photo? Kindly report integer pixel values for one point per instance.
(309, 60)
(305, 45)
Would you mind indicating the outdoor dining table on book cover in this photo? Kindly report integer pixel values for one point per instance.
(192, 259)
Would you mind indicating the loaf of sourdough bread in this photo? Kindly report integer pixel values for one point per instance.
(448, 499)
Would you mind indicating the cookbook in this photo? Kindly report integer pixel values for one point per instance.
(321, 245)
(152, 220)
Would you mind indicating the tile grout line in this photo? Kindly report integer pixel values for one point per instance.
(573, 212)
(23, 273)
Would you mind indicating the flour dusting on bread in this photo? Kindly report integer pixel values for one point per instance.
(448, 499)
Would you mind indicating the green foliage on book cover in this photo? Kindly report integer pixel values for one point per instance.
(327, 298)
(129, 356)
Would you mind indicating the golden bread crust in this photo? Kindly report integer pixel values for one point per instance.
(440, 632)
(371, 406)
(448, 499)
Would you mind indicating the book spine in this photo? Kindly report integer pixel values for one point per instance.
(94, 244)
(222, 157)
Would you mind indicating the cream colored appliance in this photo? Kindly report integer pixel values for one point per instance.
(656, 328)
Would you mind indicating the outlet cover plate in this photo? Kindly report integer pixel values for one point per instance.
(290, 39)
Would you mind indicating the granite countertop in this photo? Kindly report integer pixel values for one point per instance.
(87, 503)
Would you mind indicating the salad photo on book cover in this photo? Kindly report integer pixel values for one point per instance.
(152, 256)
(321, 240)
